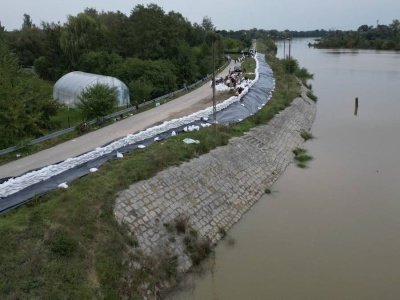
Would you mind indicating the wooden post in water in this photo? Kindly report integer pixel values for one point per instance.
(356, 106)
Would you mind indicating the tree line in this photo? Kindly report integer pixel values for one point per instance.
(152, 51)
(380, 37)
(25, 101)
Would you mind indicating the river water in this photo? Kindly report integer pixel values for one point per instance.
(330, 231)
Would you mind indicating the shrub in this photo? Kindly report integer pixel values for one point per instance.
(181, 223)
(291, 65)
(301, 157)
(222, 231)
(312, 96)
(97, 100)
(169, 227)
(63, 246)
(197, 247)
(201, 249)
(298, 151)
(306, 135)
(301, 165)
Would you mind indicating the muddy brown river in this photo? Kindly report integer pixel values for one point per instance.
(330, 231)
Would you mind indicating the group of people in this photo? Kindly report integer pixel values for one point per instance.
(235, 80)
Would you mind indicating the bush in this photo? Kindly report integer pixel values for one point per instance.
(306, 135)
(97, 100)
(181, 223)
(298, 151)
(291, 65)
(63, 246)
(312, 96)
(222, 231)
(303, 73)
(199, 249)
(301, 157)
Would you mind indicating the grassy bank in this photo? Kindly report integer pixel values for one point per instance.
(67, 243)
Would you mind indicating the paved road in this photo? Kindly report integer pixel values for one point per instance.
(194, 101)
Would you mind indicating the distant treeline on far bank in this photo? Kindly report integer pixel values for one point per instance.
(380, 37)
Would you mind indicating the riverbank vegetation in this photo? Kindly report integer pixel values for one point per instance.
(301, 157)
(311, 95)
(380, 37)
(306, 135)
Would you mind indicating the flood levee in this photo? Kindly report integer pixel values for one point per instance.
(329, 231)
(214, 191)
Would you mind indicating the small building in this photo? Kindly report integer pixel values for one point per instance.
(69, 87)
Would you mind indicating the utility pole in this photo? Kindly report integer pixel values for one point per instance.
(284, 48)
(213, 82)
(289, 62)
(213, 88)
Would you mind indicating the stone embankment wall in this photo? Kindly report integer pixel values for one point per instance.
(215, 190)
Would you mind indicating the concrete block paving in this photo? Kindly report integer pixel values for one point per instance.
(217, 189)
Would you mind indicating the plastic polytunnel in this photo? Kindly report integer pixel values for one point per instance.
(69, 87)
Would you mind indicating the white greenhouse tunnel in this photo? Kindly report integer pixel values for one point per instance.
(69, 87)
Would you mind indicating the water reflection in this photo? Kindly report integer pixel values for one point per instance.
(341, 51)
(330, 231)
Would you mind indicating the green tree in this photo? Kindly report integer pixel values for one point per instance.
(27, 22)
(395, 27)
(99, 62)
(204, 60)
(186, 64)
(207, 24)
(160, 73)
(53, 63)
(118, 27)
(383, 37)
(129, 69)
(97, 100)
(145, 34)
(196, 35)
(140, 90)
(2, 30)
(232, 44)
(81, 34)
(27, 43)
(175, 32)
(25, 102)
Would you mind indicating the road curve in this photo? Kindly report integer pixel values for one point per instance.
(189, 103)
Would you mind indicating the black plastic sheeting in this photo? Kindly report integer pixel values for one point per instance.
(248, 105)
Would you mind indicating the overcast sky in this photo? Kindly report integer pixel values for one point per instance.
(228, 15)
